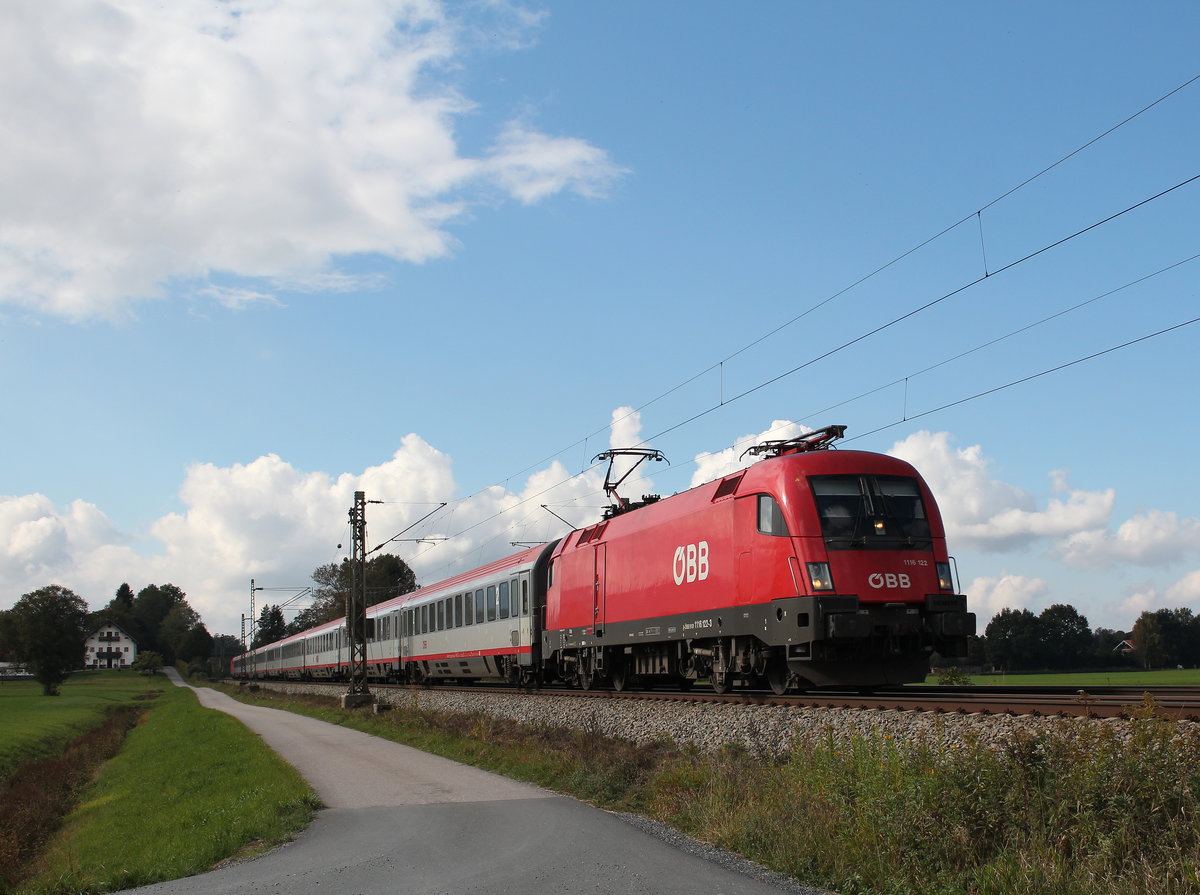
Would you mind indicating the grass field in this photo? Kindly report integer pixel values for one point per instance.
(189, 787)
(35, 725)
(1184, 677)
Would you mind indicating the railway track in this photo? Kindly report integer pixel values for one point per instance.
(1181, 703)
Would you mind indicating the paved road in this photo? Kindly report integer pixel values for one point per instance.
(402, 821)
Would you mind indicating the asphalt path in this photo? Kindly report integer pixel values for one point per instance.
(403, 822)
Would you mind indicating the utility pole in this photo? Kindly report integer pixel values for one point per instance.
(359, 694)
(253, 623)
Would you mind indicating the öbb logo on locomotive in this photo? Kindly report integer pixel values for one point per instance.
(691, 562)
(880, 580)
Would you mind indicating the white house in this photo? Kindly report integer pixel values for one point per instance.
(109, 646)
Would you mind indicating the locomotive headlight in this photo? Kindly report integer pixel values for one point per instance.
(945, 582)
(819, 576)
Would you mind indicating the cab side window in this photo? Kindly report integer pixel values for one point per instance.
(770, 517)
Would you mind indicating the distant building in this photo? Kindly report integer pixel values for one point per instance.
(109, 646)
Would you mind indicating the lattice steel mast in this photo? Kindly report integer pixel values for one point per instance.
(356, 606)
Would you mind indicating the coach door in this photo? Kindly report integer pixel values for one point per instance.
(598, 589)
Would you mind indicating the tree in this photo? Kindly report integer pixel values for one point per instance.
(174, 628)
(388, 576)
(1167, 637)
(148, 662)
(46, 631)
(1147, 637)
(123, 599)
(196, 645)
(271, 627)
(1012, 640)
(224, 648)
(150, 607)
(1065, 636)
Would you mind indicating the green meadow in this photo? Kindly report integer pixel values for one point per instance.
(187, 788)
(1168, 677)
(35, 726)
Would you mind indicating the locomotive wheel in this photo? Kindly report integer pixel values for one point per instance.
(777, 677)
(621, 678)
(719, 681)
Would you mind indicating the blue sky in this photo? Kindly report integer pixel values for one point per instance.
(255, 256)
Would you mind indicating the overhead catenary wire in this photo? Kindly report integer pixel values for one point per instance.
(1011, 265)
(1030, 378)
(987, 275)
(719, 365)
(912, 313)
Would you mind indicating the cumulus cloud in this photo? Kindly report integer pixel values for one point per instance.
(273, 522)
(1186, 590)
(1151, 538)
(715, 464)
(148, 143)
(630, 475)
(36, 539)
(987, 596)
(1145, 598)
(986, 514)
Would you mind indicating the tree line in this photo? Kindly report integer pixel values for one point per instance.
(47, 628)
(1059, 638)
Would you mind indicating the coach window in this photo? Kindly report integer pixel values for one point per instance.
(504, 599)
(479, 606)
(491, 603)
(468, 612)
(770, 516)
(525, 596)
(441, 616)
(458, 610)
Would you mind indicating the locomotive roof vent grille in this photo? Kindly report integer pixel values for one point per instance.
(820, 440)
(728, 486)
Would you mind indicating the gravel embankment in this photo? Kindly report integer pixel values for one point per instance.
(764, 729)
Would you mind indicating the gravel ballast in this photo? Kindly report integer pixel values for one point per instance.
(707, 726)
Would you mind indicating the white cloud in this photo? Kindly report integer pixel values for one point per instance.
(36, 539)
(1185, 591)
(987, 596)
(714, 465)
(983, 513)
(147, 143)
(532, 166)
(1145, 598)
(1153, 537)
(275, 523)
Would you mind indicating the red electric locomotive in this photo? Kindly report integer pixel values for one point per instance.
(812, 567)
(809, 568)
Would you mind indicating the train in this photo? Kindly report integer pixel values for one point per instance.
(811, 568)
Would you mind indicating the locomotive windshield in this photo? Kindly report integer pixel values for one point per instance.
(871, 512)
